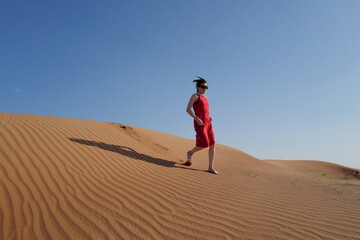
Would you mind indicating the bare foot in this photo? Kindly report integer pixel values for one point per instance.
(187, 163)
(213, 171)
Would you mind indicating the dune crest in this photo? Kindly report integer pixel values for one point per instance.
(64, 178)
(318, 168)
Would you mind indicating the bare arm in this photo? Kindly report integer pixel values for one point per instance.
(190, 105)
(192, 100)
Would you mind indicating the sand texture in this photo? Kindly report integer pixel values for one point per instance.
(63, 178)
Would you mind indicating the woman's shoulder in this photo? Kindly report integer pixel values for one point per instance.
(195, 95)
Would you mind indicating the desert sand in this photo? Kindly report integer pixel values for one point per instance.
(64, 178)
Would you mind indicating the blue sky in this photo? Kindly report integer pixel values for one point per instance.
(283, 75)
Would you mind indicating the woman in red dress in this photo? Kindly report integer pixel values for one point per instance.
(202, 123)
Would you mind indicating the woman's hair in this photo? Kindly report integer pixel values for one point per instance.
(199, 81)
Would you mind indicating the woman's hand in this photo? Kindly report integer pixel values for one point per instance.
(199, 122)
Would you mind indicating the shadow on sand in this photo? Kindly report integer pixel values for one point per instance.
(131, 153)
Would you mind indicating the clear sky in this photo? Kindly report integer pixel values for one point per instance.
(283, 76)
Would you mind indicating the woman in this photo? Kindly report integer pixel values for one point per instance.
(202, 123)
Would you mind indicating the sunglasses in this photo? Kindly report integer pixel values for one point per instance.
(204, 87)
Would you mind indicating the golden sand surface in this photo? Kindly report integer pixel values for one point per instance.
(64, 178)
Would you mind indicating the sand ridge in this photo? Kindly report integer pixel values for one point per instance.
(64, 178)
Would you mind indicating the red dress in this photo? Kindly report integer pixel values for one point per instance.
(204, 134)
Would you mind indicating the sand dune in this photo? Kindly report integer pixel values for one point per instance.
(63, 178)
(318, 168)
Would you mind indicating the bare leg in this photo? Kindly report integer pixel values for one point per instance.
(190, 153)
(211, 159)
